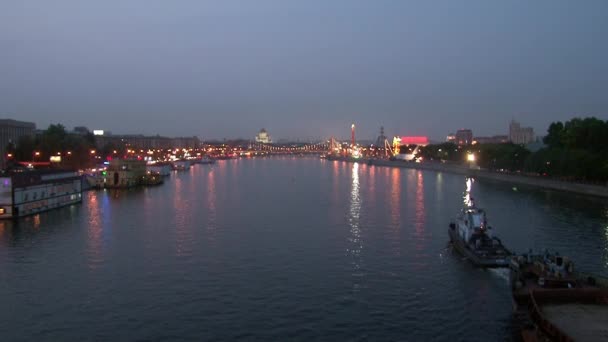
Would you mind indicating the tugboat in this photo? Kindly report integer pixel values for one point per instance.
(472, 237)
(552, 301)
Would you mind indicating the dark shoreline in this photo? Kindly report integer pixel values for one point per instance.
(538, 182)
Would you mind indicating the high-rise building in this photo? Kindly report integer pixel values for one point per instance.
(520, 135)
(464, 137)
(10, 132)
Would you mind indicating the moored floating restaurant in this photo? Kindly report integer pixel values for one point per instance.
(30, 192)
(124, 173)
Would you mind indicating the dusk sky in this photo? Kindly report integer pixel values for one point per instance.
(303, 69)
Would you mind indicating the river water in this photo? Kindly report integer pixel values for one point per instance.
(280, 249)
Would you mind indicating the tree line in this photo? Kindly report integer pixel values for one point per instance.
(575, 150)
(54, 141)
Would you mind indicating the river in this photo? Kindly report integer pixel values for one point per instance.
(280, 249)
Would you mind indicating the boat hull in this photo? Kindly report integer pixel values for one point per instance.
(474, 258)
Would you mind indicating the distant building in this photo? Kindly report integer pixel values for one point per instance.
(143, 142)
(497, 139)
(10, 132)
(520, 135)
(381, 138)
(185, 142)
(451, 138)
(81, 130)
(124, 173)
(464, 137)
(263, 137)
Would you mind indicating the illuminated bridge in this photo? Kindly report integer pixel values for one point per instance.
(274, 148)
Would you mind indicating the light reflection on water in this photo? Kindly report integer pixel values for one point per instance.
(395, 209)
(95, 228)
(346, 252)
(183, 211)
(355, 243)
(420, 211)
(211, 204)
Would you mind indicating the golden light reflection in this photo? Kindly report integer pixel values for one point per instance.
(95, 251)
(334, 200)
(211, 205)
(439, 187)
(183, 227)
(37, 221)
(356, 245)
(5, 228)
(372, 183)
(420, 211)
(395, 207)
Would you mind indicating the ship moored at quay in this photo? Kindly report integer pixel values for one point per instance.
(552, 301)
(30, 192)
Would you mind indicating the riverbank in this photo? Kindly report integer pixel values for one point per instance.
(539, 182)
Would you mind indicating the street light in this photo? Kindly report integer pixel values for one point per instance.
(92, 151)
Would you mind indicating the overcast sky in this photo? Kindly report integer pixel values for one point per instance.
(306, 68)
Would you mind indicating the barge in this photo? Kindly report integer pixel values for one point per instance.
(553, 302)
(30, 192)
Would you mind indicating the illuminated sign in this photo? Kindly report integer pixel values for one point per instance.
(98, 132)
(420, 140)
(55, 159)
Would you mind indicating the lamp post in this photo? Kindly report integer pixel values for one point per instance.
(471, 159)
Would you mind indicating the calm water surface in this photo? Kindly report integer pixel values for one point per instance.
(279, 249)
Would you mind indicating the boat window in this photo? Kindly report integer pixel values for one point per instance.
(477, 220)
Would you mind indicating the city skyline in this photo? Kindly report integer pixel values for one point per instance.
(302, 69)
(80, 129)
